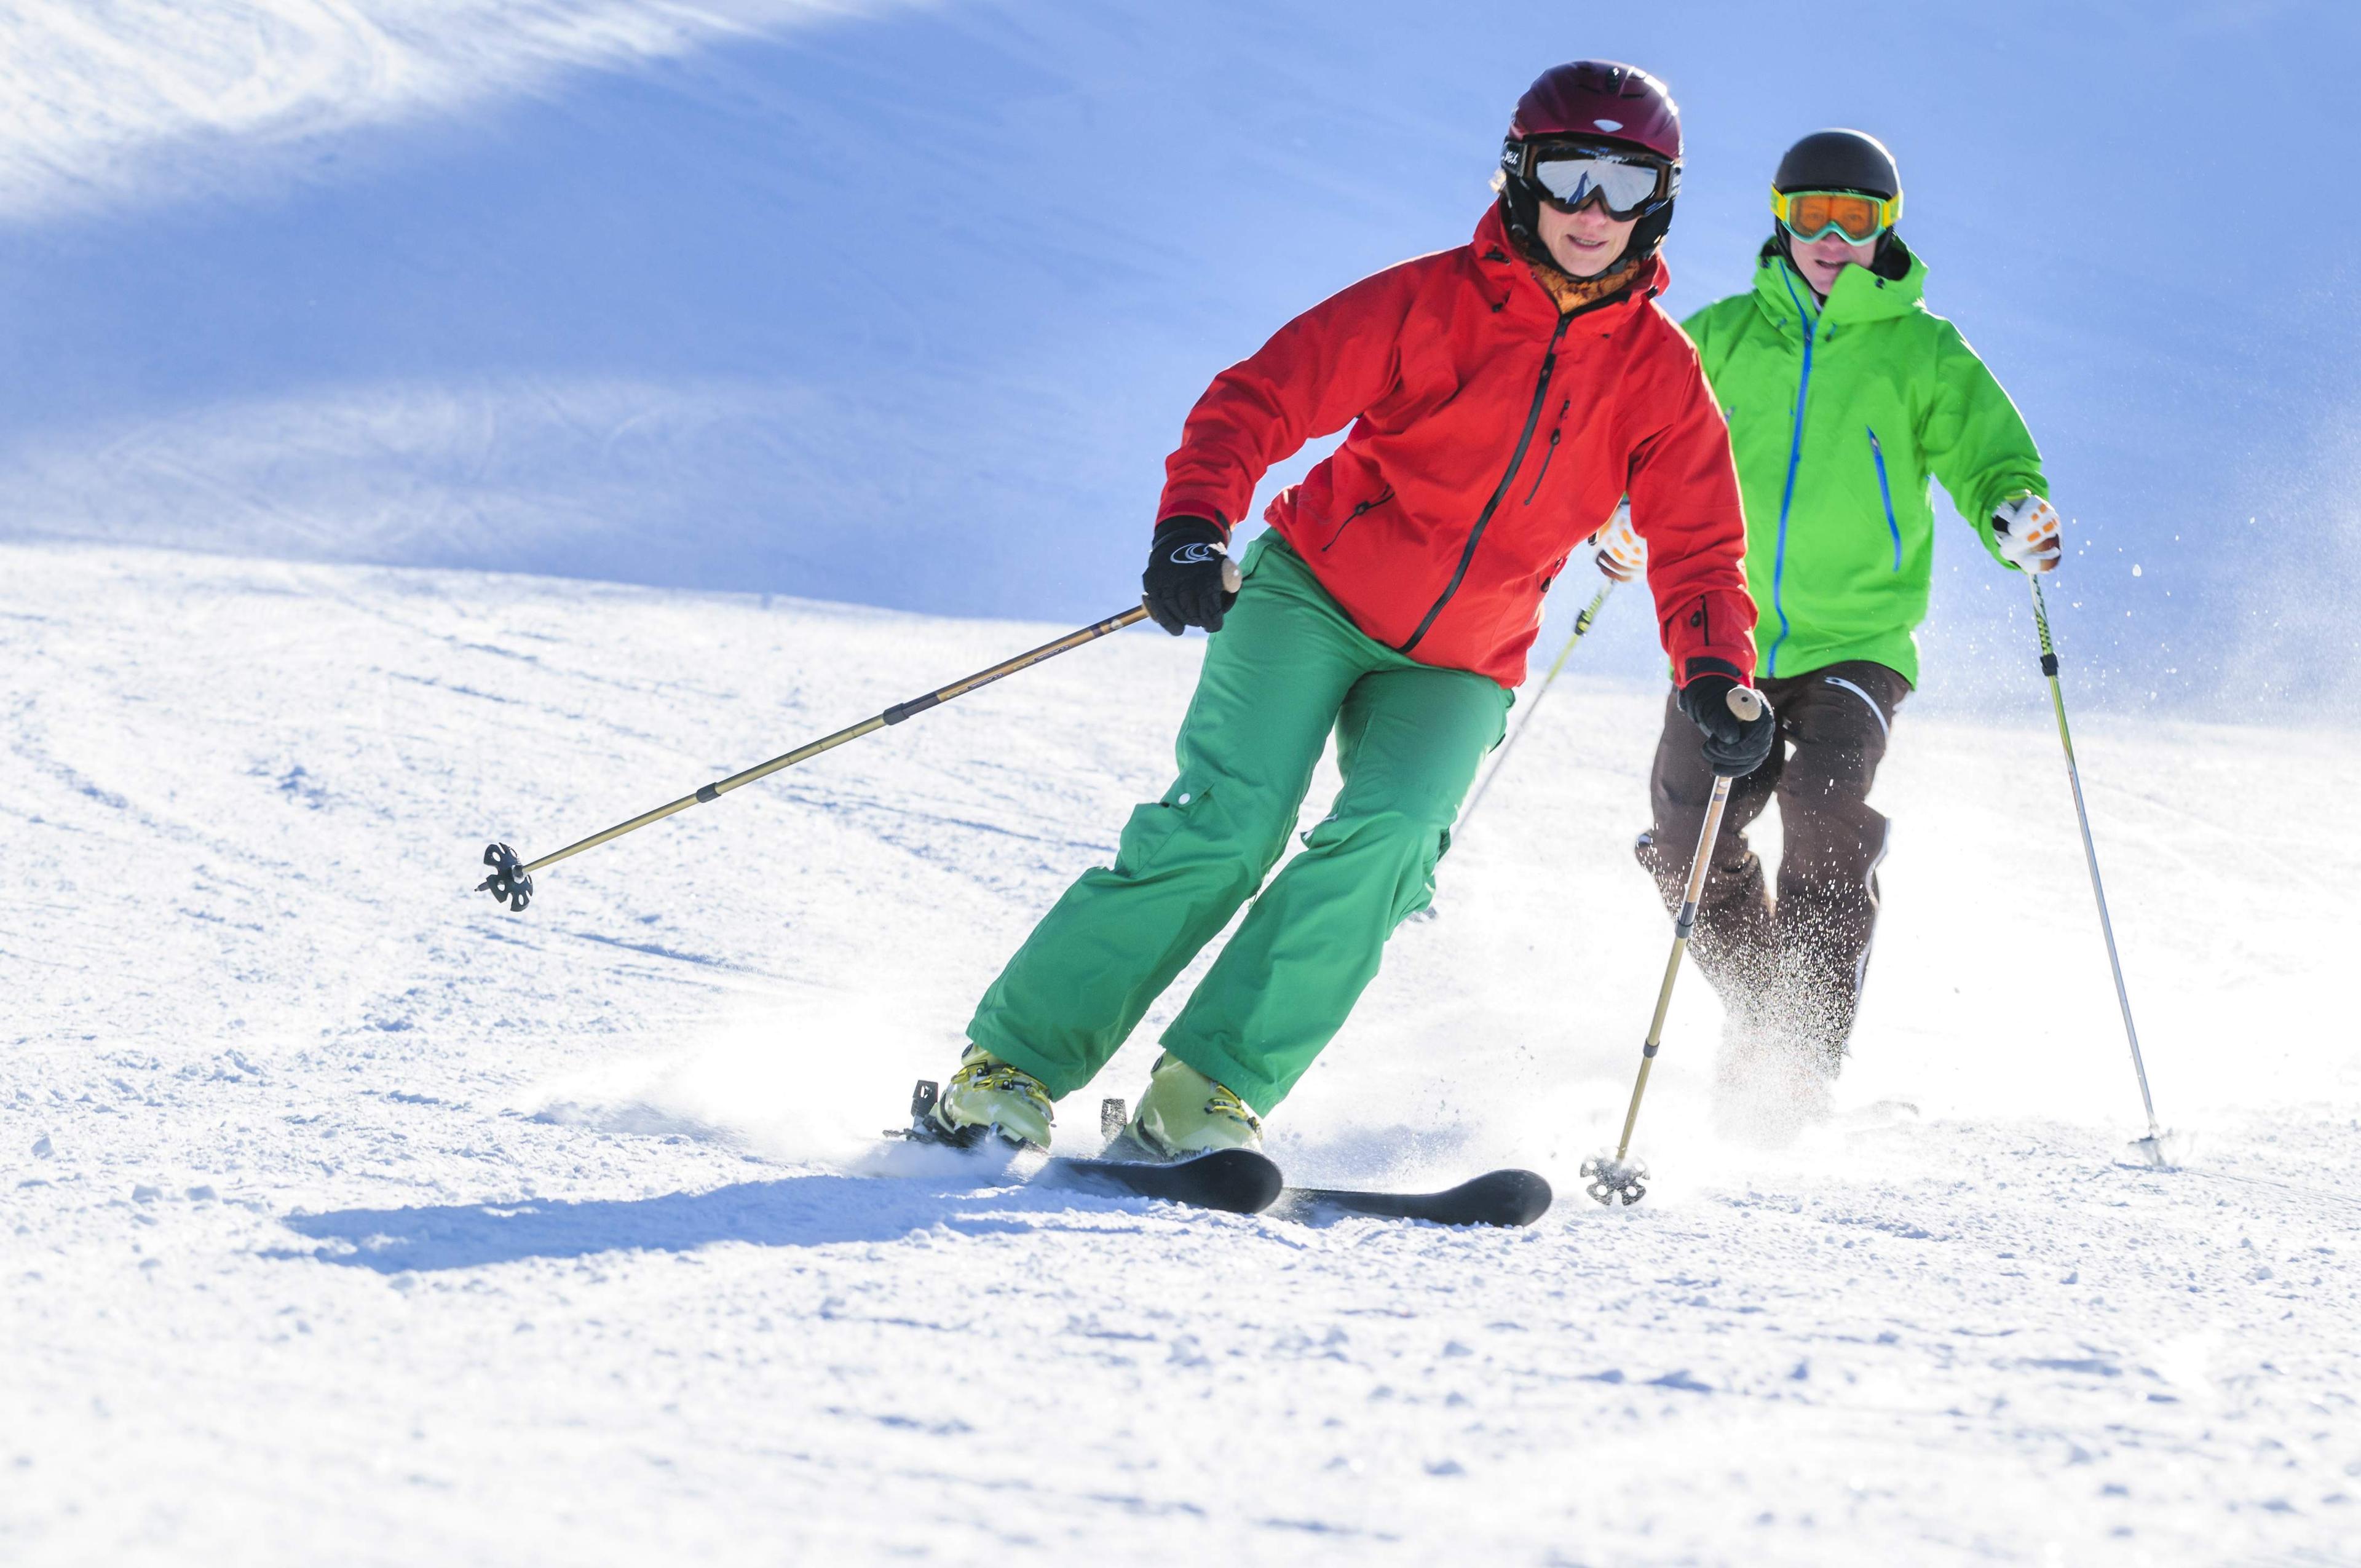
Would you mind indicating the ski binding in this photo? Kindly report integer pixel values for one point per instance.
(1235, 1181)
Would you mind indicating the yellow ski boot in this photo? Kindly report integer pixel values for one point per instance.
(988, 1096)
(1183, 1113)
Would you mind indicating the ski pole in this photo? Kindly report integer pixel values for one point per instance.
(1582, 621)
(2152, 1146)
(511, 883)
(1618, 1176)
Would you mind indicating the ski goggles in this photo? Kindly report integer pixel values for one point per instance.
(1814, 215)
(1569, 176)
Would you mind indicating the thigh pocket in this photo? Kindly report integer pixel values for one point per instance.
(1148, 838)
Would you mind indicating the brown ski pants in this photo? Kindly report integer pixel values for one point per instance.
(1790, 968)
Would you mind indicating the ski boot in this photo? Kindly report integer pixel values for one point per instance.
(986, 1097)
(1183, 1113)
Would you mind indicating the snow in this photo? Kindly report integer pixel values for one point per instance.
(356, 1219)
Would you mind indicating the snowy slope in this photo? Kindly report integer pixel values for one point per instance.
(353, 1219)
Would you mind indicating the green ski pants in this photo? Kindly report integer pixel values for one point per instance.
(1286, 667)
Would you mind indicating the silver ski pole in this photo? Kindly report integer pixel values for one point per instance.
(510, 882)
(1617, 1176)
(2152, 1146)
(1582, 621)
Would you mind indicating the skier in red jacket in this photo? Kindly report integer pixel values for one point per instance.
(1503, 395)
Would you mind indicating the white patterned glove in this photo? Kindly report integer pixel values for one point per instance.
(1623, 553)
(2028, 529)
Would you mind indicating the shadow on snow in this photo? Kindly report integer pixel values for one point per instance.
(799, 1211)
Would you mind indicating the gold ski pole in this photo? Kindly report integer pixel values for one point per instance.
(2152, 1146)
(1617, 1176)
(511, 883)
(1582, 621)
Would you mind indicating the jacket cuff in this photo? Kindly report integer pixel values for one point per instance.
(1202, 520)
(1711, 634)
(1708, 664)
(1199, 500)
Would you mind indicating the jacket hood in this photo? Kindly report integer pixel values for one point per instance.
(1897, 288)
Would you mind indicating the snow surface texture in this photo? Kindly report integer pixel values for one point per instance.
(355, 1219)
(903, 304)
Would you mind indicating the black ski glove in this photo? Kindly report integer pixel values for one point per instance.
(1188, 581)
(1734, 747)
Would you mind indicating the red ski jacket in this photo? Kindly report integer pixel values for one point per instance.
(1491, 435)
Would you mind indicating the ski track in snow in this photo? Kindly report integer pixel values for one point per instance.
(353, 1219)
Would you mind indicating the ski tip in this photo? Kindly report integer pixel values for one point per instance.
(1236, 1181)
(1240, 1181)
(1506, 1197)
(1498, 1198)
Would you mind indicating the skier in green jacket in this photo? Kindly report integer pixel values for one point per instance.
(1844, 394)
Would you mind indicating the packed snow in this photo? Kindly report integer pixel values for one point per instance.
(357, 1219)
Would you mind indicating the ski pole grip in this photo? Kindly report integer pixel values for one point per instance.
(1231, 578)
(1746, 702)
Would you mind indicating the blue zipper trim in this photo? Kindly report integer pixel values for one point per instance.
(1885, 494)
(1794, 458)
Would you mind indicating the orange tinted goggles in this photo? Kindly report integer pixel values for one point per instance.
(1809, 215)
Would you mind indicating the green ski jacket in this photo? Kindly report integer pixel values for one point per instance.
(1839, 414)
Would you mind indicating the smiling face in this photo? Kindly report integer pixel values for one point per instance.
(1820, 260)
(1587, 243)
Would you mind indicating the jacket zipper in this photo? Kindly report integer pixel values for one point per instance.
(1516, 458)
(1795, 457)
(1380, 499)
(1885, 494)
(1555, 431)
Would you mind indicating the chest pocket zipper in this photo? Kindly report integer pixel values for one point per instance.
(1885, 494)
(1380, 499)
(1555, 431)
(1501, 491)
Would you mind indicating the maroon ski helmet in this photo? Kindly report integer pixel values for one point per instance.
(1600, 103)
(1601, 98)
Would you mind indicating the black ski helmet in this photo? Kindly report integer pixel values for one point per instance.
(1839, 160)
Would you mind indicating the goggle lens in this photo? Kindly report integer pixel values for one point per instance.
(1622, 188)
(1811, 215)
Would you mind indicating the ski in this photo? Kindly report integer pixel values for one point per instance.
(1507, 1198)
(1234, 1182)
(1244, 1182)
